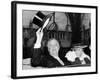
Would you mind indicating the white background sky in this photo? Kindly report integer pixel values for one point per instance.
(5, 40)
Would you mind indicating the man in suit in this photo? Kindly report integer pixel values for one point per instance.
(49, 57)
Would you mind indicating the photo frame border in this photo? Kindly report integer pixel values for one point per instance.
(14, 38)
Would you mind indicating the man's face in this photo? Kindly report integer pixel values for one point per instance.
(53, 47)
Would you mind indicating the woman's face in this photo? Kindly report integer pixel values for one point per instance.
(53, 47)
(78, 52)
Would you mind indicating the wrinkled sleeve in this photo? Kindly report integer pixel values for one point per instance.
(37, 58)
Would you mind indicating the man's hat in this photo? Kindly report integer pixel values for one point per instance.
(41, 19)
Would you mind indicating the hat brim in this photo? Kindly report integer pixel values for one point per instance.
(46, 23)
(46, 20)
(81, 46)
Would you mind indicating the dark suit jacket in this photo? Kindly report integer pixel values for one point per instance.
(42, 58)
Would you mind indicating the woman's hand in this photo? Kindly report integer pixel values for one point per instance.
(39, 35)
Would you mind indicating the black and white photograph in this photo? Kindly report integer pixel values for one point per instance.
(53, 39)
(61, 40)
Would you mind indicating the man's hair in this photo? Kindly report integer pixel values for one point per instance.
(48, 42)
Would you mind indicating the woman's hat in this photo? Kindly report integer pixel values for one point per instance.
(79, 45)
(41, 19)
